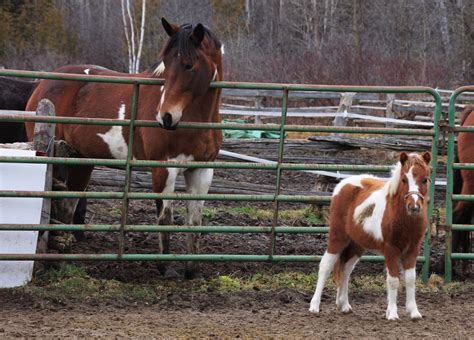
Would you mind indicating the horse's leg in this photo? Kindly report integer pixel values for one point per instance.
(351, 256)
(198, 181)
(78, 178)
(338, 241)
(325, 268)
(163, 182)
(409, 264)
(392, 257)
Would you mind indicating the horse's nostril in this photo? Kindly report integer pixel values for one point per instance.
(167, 121)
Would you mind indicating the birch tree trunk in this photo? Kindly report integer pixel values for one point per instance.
(128, 18)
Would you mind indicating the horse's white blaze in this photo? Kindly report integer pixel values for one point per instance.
(214, 77)
(373, 224)
(160, 69)
(86, 71)
(162, 100)
(325, 268)
(114, 137)
(392, 289)
(412, 186)
(353, 180)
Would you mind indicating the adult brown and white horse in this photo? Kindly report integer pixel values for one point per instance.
(190, 60)
(386, 217)
(463, 212)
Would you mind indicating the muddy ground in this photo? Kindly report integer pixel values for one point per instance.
(277, 312)
(274, 314)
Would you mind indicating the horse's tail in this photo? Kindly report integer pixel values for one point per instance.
(345, 256)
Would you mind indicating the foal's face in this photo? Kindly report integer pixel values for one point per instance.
(189, 69)
(414, 181)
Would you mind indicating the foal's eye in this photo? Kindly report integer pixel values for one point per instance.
(188, 67)
(425, 180)
(404, 180)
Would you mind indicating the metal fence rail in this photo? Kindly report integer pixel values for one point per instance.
(450, 196)
(279, 167)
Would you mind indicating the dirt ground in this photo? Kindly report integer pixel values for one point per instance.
(277, 314)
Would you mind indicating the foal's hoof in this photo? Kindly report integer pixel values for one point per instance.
(415, 315)
(346, 309)
(313, 309)
(392, 316)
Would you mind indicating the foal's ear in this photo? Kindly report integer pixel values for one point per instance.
(198, 34)
(170, 29)
(403, 158)
(426, 157)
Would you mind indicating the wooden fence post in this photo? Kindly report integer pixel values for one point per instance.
(43, 142)
(345, 105)
(389, 112)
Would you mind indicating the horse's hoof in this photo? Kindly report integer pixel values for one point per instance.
(170, 273)
(346, 309)
(80, 236)
(191, 274)
(391, 314)
(415, 315)
(314, 309)
(392, 317)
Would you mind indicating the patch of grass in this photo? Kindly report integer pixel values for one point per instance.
(62, 272)
(72, 283)
(290, 214)
(209, 213)
(252, 212)
(226, 283)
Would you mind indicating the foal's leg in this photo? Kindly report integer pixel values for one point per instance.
(164, 182)
(198, 181)
(325, 268)
(392, 258)
(410, 278)
(353, 253)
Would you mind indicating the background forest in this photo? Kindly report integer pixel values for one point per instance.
(367, 42)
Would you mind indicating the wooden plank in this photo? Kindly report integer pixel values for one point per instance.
(386, 143)
(229, 93)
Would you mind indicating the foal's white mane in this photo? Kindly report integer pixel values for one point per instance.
(395, 179)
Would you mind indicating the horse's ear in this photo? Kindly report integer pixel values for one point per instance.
(426, 157)
(403, 158)
(170, 29)
(198, 34)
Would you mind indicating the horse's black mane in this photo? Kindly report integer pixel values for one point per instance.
(185, 45)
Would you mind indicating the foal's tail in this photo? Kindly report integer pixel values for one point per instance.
(349, 251)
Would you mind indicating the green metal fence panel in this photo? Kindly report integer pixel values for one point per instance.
(279, 167)
(450, 196)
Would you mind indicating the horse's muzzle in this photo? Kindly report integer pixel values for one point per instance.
(168, 122)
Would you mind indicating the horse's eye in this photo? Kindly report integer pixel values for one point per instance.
(404, 180)
(188, 67)
(425, 180)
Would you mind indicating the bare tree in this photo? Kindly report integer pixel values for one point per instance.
(132, 36)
